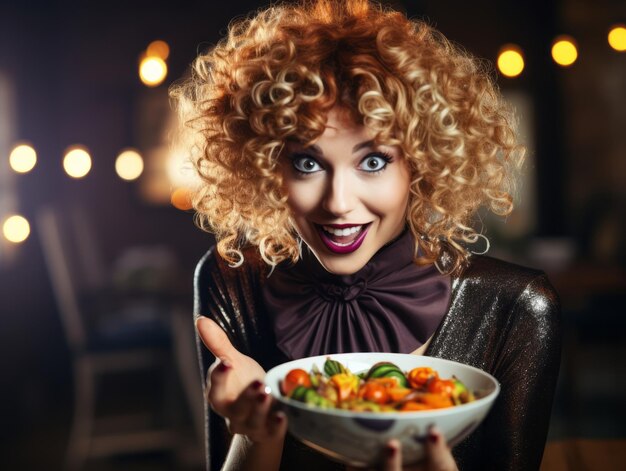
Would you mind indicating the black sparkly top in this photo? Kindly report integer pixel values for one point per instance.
(502, 318)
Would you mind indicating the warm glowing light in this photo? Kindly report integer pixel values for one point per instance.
(158, 48)
(129, 165)
(181, 199)
(77, 162)
(23, 158)
(16, 229)
(152, 71)
(564, 51)
(617, 38)
(510, 61)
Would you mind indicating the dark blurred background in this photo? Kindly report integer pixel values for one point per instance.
(69, 75)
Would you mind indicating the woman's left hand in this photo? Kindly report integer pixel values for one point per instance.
(438, 456)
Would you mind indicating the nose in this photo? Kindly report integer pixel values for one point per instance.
(340, 197)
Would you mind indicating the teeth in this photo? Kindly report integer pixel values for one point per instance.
(343, 232)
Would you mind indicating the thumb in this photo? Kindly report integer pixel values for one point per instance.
(215, 339)
(439, 456)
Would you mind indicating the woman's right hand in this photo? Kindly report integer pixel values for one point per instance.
(235, 388)
(438, 456)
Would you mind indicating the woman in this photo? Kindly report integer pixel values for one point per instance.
(344, 152)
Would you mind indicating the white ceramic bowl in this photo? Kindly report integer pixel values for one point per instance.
(358, 438)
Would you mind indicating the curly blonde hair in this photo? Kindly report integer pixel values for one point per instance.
(274, 78)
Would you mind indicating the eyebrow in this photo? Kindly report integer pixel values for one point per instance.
(356, 148)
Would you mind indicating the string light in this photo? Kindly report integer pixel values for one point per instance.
(564, 51)
(23, 158)
(129, 165)
(16, 229)
(158, 48)
(181, 199)
(77, 162)
(510, 60)
(152, 71)
(617, 38)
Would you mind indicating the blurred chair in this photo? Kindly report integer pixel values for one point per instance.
(108, 334)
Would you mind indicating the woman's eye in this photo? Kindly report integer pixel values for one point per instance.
(306, 164)
(374, 163)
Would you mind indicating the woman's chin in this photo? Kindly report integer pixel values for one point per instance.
(346, 264)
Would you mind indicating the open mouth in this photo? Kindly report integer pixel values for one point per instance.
(345, 239)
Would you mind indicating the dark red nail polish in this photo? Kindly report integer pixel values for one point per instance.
(256, 384)
(279, 419)
(432, 438)
(223, 367)
(391, 452)
(261, 397)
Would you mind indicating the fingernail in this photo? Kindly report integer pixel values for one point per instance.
(432, 438)
(223, 366)
(261, 397)
(256, 384)
(279, 418)
(391, 452)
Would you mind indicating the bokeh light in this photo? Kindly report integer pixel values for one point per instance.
(152, 71)
(23, 158)
(617, 38)
(510, 61)
(77, 162)
(181, 199)
(564, 51)
(158, 48)
(129, 165)
(16, 229)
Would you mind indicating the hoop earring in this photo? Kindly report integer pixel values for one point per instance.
(487, 245)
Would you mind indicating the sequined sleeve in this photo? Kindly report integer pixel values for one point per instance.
(505, 319)
(230, 296)
(527, 368)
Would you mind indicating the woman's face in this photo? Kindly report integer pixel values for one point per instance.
(347, 197)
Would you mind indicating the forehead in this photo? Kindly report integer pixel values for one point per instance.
(343, 132)
(340, 118)
(340, 127)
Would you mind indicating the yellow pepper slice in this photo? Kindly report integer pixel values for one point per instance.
(346, 384)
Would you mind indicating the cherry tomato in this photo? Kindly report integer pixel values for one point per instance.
(374, 392)
(445, 387)
(386, 382)
(418, 377)
(294, 378)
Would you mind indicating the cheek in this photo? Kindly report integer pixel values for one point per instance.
(390, 199)
(392, 208)
(302, 199)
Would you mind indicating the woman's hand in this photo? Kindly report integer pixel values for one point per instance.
(438, 456)
(235, 389)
